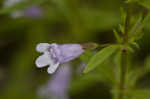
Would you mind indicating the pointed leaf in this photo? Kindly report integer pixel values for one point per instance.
(100, 57)
(117, 36)
(145, 3)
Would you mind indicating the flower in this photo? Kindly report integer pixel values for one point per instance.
(33, 11)
(57, 86)
(55, 54)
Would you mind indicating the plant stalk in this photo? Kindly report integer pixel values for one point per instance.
(123, 67)
(123, 70)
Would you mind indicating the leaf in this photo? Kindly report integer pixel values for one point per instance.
(121, 28)
(136, 25)
(145, 3)
(143, 24)
(130, 49)
(135, 45)
(117, 36)
(100, 57)
(146, 20)
(123, 18)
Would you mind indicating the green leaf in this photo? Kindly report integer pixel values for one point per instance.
(146, 20)
(121, 28)
(130, 49)
(145, 3)
(117, 36)
(135, 45)
(142, 25)
(136, 25)
(123, 18)
(100, 57)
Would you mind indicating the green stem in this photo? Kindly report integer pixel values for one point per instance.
(123, 69)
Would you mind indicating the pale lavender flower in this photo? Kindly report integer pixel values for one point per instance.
(58, 84)
(33, 12)
(55, 54)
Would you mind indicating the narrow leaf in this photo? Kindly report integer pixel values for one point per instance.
(121, 28)
(100, 57)
(145, 3)
(117, 36)
(136, 26)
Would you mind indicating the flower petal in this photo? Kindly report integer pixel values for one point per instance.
(42, 47)
(53, 68)
(43, 60)
(70, 52)
(33, 12)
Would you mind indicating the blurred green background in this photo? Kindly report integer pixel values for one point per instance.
(63, 21)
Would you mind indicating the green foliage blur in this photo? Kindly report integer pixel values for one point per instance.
(63, 21)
